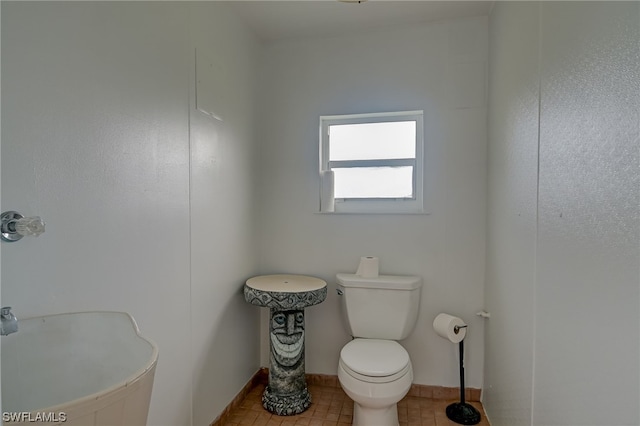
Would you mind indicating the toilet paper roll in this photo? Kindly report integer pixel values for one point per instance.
(447, 327)
(368, 267)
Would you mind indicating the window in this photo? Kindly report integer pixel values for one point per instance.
(371, 163)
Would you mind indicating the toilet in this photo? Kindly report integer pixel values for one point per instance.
(374, 369)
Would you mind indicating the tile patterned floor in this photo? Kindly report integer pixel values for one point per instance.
(331, 407)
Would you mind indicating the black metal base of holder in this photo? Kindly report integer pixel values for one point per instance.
(463, 414)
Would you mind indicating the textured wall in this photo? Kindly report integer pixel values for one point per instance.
(98, 149)
(587, 290)
(511, 235)
(570, 262)
(96, 101)
(224, 328)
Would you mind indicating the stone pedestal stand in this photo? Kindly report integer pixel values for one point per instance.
(286, 296)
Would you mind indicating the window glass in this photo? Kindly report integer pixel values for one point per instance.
(373, 182)
(372, 141)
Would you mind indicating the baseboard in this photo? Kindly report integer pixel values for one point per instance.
(260, 377)
(423, 391)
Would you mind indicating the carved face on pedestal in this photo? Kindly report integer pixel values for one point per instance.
(287, 337)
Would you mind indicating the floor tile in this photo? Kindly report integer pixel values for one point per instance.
(330, 406)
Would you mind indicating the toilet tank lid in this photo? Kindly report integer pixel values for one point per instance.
(392, 282)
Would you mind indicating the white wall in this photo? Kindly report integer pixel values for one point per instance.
(440, 68)
(0, 192)
(512, 207)
(225, 329)
(96, 104)
(589, 215)
(580, 288)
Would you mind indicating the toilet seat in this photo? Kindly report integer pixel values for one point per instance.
(375, 360)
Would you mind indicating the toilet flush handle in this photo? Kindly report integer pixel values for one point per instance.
(340, 292)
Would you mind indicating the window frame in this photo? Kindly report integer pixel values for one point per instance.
(329, 204)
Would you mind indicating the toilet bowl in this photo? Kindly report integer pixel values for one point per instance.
(375, 374)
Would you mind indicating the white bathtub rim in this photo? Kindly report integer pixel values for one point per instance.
(132, 380)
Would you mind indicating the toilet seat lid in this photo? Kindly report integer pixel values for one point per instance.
(374, 357)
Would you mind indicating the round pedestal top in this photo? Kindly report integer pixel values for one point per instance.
(286, 283)
(285, 291)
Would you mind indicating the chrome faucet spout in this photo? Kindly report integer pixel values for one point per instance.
(9, 322)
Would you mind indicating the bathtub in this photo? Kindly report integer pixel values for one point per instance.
(77, 369)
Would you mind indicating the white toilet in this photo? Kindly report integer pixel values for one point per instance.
(375, 370)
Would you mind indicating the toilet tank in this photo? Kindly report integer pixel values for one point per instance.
(385, 307)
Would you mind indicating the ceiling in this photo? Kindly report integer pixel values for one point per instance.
(277, 20)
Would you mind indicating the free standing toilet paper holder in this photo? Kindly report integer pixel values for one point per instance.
(456, 329)
(461, 412)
